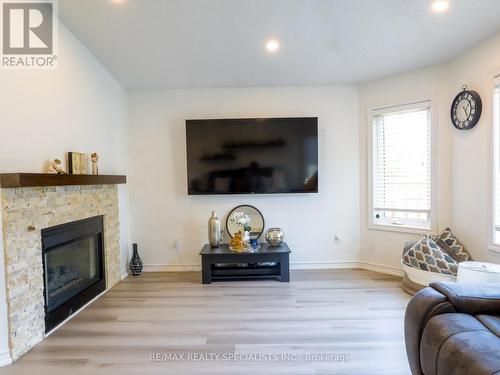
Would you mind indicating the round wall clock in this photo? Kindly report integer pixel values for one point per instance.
(466, 109)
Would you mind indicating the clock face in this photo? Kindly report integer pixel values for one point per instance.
(466, 110)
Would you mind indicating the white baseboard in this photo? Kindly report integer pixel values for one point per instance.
(171, 268)
(494, 248)
(293, 266)
(333, 265)
(124, 274)
(5, 358)
(380, 268)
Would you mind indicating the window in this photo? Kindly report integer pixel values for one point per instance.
(496, 164)
(401, 193)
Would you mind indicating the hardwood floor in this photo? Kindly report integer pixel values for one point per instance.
(273, 327)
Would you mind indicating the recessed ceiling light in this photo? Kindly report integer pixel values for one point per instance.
(440, 6)
(117, 1)
(272, 45)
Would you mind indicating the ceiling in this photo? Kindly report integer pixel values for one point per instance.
(154, 44)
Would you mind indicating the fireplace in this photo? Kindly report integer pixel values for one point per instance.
(73, 265)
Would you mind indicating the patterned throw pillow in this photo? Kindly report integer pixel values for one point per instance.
(450, 245)
(427, 256)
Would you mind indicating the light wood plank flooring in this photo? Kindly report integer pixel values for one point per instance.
(352, 312)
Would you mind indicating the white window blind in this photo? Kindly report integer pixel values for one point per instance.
(496, 170)
(402, 166)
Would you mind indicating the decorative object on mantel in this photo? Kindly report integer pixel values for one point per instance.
(214, 233)
(56, 167)
(94, 158)
(466, 109)
(77, 163)
(136, 262)
(246, 218)
(275, 236)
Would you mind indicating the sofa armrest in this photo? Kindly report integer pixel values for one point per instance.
(423, 306)
(471, 299)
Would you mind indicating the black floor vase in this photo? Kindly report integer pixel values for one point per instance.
(135, 262)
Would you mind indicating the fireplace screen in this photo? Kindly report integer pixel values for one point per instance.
(73, 267)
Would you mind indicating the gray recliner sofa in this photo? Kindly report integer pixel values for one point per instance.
(454, 329)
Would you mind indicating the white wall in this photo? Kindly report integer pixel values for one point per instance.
(462, 175)
(471, 150)
(385, 247)
(45, 113)
(161, 210)
(78, 107)
(463, 157)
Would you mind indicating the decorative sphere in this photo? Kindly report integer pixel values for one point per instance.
(275, 236)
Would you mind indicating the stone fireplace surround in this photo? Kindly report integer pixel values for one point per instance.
(28, 210)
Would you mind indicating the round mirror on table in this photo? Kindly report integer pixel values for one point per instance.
(245, 218)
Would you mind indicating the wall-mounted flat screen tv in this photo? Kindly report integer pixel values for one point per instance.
(252, 156)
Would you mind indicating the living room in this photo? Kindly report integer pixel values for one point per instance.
(395, 108)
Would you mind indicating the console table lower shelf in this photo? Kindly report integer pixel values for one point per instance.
(220, 263)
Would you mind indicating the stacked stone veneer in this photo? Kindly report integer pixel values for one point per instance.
(26, 211)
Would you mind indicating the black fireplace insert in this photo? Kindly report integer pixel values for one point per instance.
(73, 263)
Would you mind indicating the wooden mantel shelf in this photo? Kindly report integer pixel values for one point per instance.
(19, 180)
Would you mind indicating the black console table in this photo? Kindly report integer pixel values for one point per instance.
(220, 263)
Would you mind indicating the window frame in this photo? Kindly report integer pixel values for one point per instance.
(495, 162)
(401, 105)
